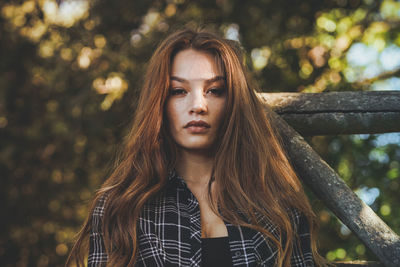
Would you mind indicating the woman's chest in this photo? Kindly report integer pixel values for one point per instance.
(170, 231)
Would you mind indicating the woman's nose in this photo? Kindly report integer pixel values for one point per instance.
(199, 103)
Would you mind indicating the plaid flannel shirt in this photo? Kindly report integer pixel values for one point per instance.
(169, 234)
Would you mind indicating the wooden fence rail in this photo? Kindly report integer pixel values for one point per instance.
(338, 112)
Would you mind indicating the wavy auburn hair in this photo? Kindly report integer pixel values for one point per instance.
(252, 172)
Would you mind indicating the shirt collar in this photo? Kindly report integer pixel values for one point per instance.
(175, 178)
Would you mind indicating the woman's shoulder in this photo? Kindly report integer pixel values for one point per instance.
(296, 218)
(98, 212)
(299, 221)
(100, 205)
(295, 215)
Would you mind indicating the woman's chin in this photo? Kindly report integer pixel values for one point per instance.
(197, 147)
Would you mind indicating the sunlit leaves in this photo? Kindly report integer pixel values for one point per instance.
(100, 41)
(339, 30)
(260, 57)
(385, 210)
(65, 14)
(394, 172)
(390, 10)
(114, 87)
(326, 24)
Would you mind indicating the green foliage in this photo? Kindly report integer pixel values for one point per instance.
(69, 80)
(369, 165)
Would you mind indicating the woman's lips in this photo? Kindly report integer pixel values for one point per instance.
(197, 126)
(198, 123)
(197, 129)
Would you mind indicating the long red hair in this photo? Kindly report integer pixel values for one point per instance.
(253, 174)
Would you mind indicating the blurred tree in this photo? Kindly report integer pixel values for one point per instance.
(70, 72)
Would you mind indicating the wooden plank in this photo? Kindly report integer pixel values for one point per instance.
(375, 101)
(339, 198)
(344, 123)
(338, 112)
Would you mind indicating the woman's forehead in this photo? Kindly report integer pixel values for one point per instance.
(196, 65)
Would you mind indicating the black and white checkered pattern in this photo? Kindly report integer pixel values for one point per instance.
(170, 234)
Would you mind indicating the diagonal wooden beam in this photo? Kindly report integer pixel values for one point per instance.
(339, 198)
(338, 112)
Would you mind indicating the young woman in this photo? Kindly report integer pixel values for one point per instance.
(203, 180)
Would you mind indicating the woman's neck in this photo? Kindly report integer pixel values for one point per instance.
(194, 167)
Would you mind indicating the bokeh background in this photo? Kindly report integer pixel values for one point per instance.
(70, 72)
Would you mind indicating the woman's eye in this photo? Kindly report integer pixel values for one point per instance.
(216, 91)
(177, 91)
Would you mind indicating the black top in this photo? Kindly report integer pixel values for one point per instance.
(215, 252)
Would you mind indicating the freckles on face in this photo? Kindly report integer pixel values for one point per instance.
(196, 103)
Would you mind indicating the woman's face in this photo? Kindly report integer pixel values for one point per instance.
(196, 102)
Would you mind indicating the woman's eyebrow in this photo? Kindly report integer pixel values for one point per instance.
(207, 81)
(174, 78)
(215, 79)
